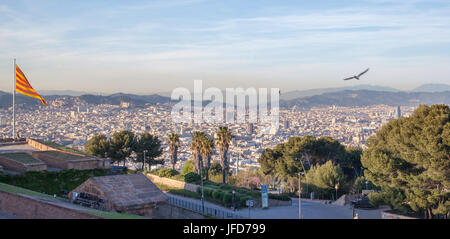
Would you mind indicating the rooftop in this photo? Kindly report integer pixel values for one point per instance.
(20, 157)
(16, 148)
(129, 189)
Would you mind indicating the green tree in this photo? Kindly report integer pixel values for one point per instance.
(97, 146)
(351, 165)
(174, 144)
(286, 159)
(325, 177)
(207, 150)
(196, 147)
(223, 140)
(215, 168)
(121, 146)
(187, 168)
(152, 147)
(409, 159)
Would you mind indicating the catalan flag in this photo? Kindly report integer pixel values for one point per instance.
(24, 87)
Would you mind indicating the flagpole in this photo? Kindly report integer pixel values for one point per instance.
(14, 102)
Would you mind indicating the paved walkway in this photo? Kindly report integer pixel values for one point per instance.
(310, 210)
(207, 204)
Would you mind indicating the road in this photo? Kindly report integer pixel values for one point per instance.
(310, 210)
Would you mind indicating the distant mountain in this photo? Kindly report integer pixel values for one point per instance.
(432, 88)
(115, 99)
(62, 92)
(338, 98)
(304, 93)
(6, 100)
(357, 98)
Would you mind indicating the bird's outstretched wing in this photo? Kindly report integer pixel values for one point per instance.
(364, 72)
(349, 78)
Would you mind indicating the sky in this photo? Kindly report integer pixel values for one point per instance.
(156, 46)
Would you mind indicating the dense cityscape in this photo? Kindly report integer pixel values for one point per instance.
(74, 126)
(206, 109)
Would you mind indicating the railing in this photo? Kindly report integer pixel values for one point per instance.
(208, 211)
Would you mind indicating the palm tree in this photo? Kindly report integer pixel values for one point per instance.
(174, 144)
(223, 140)
(196, 146)
(207, 151)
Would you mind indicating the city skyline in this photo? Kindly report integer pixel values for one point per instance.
(155, 47)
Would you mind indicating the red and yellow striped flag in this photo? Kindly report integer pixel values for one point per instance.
(24, 87)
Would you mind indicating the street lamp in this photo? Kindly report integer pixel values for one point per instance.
(336, 187)
(303, 167)
(143, 162)
(200, 162)
(299, 195)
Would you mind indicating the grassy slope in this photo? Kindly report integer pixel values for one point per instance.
(63, 156)
(52, 182)
(20, 157)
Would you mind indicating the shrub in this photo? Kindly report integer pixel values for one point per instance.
(178, 177)
(227, 199)
(192, 178)
(187, 168)
(217, 195)
(185, 193)
(244, 199)
(281, 197)
(226, 187)
(208, 193)
(167, 172)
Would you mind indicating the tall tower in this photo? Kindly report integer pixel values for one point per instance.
(250, 129)
(398, 113)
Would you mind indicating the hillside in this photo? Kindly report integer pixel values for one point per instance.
(432, 88)
(339, 98)
(367, 98)
(290, 95)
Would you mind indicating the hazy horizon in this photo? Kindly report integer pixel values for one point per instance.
(153, 47)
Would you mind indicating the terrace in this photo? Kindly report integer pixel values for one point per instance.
(23, 158)
(63, 156)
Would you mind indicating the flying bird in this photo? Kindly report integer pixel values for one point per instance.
(357, 77)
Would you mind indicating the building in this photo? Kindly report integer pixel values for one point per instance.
(3, 121)
(250, 129)
(128, 193)
(398, 113)
(34, 155)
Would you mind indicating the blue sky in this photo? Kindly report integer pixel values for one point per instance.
(156, 46)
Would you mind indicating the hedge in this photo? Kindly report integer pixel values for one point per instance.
(281, 197)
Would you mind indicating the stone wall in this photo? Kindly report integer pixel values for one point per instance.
(51, 161)
(193, 188)
(40, 146)
(55, 162)
(173, 183)
(88, 163)
(30, 208)
(20, 167)
(389, 215)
